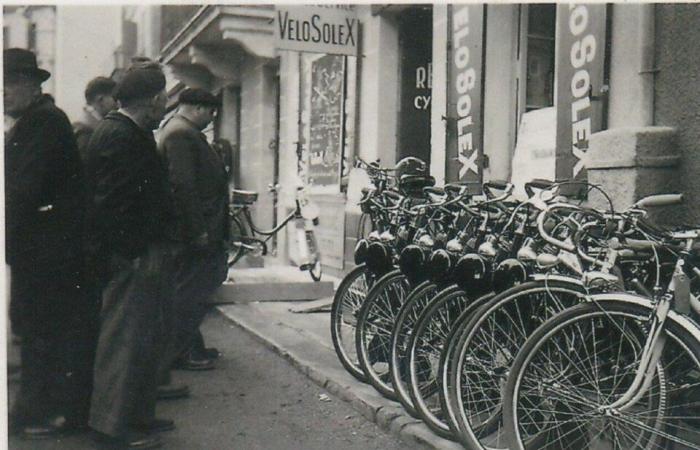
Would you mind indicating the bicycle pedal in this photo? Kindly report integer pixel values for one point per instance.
(305, 267)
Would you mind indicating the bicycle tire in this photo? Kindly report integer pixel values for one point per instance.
(480, 369)
(347, 301)
(447, 357)
(426, 344)
(672, 376)
(237, 231)
(415, 302)
(374, 326)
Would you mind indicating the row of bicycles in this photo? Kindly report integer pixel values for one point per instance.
(531, 323)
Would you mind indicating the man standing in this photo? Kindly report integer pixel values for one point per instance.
(129, 215)
(44, 218)
(199, 182)
(99, 95)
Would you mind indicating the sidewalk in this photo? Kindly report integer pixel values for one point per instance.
(305, 340)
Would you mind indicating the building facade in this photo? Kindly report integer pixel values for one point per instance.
(480, 92)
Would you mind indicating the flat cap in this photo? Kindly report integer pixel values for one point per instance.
(142, 80)
(196, 96)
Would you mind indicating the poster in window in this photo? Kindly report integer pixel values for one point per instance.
(326, 120)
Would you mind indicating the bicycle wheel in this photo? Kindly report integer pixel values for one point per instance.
(581, 361)
(447, 357)
(237, 232)
(486, 350)
(416, 301)
(347, 302)
(374, 326)
(425, 347)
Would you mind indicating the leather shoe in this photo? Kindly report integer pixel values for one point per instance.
(51, 429)
(128, 441)
(212, 353)
(173, 391)
(190, 362)
(156, 426)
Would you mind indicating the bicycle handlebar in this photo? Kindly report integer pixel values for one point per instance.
(659, 200)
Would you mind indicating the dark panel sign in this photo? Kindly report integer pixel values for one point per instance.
(416, 42)
(326, 121)
(464, 151)
(581, 57)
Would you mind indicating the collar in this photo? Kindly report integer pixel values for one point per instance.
(188, 122)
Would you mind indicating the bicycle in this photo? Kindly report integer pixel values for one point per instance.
(630, 367)
(245, 237)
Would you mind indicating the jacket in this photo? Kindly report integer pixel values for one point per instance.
(129, 203)
(44, 189)
(198, 181)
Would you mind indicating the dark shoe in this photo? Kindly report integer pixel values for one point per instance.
(129, 441)
(190, 362)
(212, 353)
(173, 391)
(156, 426)
(51, 429)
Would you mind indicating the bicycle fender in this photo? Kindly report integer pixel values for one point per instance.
(554, 277)
(624, 297)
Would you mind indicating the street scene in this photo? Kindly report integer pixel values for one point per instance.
(445, 226)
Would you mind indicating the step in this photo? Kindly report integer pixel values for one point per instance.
(272, 283)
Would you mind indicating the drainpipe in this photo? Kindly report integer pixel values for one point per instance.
(648, 69)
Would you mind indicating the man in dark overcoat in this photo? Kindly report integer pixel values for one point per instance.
(199, 183)
(44, 217)
(128, 217)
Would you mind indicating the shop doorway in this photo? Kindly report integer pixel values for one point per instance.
(415, 49)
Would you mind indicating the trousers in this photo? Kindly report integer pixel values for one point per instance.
(131, 341)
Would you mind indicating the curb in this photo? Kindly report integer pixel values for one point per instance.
(387, 415)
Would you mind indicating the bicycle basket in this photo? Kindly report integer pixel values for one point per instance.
(244, 197)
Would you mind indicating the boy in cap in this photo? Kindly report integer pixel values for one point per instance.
(44, 218)
(99, 97)
(199, 183)
(129, 215)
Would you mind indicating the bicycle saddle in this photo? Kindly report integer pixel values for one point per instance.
(244, 197)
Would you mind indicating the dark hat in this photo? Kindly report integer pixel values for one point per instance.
(18, 61)
(200, 97)
(99, 86)
(142, 80)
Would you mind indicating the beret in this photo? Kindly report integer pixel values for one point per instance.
(196, 96)
(141, 80)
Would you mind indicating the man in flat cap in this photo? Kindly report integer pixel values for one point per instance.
(99, 98)
(44, 216)
(199, 183)
(129, 215)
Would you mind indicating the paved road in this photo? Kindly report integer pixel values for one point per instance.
(254, 400)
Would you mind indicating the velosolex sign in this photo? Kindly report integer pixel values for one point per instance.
(579, 81)
(330, 29)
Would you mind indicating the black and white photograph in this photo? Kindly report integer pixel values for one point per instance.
(371, 226)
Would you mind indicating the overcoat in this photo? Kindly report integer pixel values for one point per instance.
(43, 189)
(198, 181)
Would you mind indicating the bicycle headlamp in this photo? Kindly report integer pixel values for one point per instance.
(386, 237)
(488, 249)
(454, 246)
(412, 262)
(426, 242)
(509, 273)
(373, 236)
(361, 249)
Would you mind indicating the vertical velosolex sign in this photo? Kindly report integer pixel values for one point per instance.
(464, 95)
(332, 29)
(581, 57)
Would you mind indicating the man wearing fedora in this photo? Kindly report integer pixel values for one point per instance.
(44, 207)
